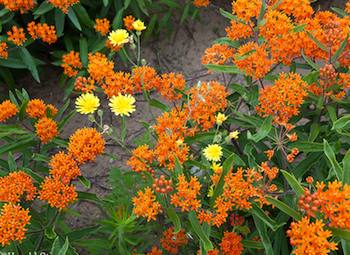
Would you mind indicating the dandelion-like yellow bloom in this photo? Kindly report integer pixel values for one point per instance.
(216, 167)
(220, 118)
(234, 135)
(213, 152)
(118, 37)
(138, 25)
(87, 103)
(122, 105)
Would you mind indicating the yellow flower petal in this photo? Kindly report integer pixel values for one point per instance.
(118, 37)
(122, 105)
(213, 152)
(138, 25)
(87, 103)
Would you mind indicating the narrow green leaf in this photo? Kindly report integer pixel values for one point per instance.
(85, 181)
(74, 19)
(284, 208)
(344, 234)
(30, 63)
(43, 8)
(197, 228)
(315, 40)
(156, 103)
(341, 123)
(261, 227)
(332, 160)
(223, 69)
(174, 219)
(259, 213)
(310, 62)
(339, 11)
(293, 182)
(60, 18)
(178, 167)
(340, 50)
(263, 131)
(84, 51)
(346, 167)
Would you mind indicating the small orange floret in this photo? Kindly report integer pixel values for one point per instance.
(246, 10)
(46, 129)
(128, 22)
(201, 3)
(42, 31)
(15, 186)
(7, 110)
(141, 159)
(64, 167)
(63, 4)
(102, 26)
(36, 108)
(71, 63)
(19, 5)
(118, 83)
(85, 144)
(83, 84)
(155, 251)
(3, 50)
(13, 222)
(231, 244)
(146, 205)
(218, 54)
(169, 85)
(17, 36)
(145, 77)
(172, 242)
(56, 193)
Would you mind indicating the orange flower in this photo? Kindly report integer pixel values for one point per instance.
(128, 22)
(172, 242)
(63, 4)
(18, 5)
(64, 167)
(141, 159)
(146, 205)
(56, 193)
(102, 26)
(71, 63)
(155, 251)
(270, 172)
(13, 222)
(239, 30)
(269, 154)
(36, 108)
(201, 3)
(300, 9)
(277, 24)
(46, 129)
(347, 7)
(85, 144)
(100, 67)
(17, 36)
(310, 238)
(246, 10)
(218, 54)
(118, 83)
(309, 179)
(283, 99)
(51, 110)
(145, 77)
(7, 110)
(206, 100)
(231, 244)
(42, 31)
(335, 204)
(167, 150)
(3, 50)
(169, 84)
(173, 122)
(253, 60)
(83, 84)
(291, 156)
(16, 185)
(186, 195)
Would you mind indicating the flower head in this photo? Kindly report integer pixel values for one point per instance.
(138, 25)
(19, 5)
(172, 242)
(220, 118)
(122, 105)
(87, 103)
(64, 167)
(231, 244)
(13, 222)
(213, 152)
(63, 4)
(234, 134)
(102, 26)
(146, 205)
(7, 110)
(118, 37)
(71, 63)
(128, 22)
(36, 108)
(46, 129)
(3, 50)
(17, 36)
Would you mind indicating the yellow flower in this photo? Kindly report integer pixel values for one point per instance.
(213, 152)
(216, 167)
(179, 142)
(122, 104)
(220, 118)
(138, 25)
(87, 103)
(118, 37)
(211, 191)
(234, 135)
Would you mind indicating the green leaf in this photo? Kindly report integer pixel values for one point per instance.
(60, 18)
(340, 50)
(197, 228)
(262, 12)
(30, 63)
(332, 160)
(284, 208)
(11, 162)
(18, 145)
(259, 213)
(43, 8)
(174, 219)
(88, 196)
(85, 181)
(293, 182)
(50, 232)
(83, 15)
(314, 131)
(306, 146)
(346, 167)
(310, 62)
(123, 130)
(74, 19)
(315, 40)
(341, 123)
(178, 167)
(250, 244)
(157, 104)
(223, 69)
(339, 11)
(263, 131)
(57, 249)
(84, 51)
(227, 41)
(228, 14)
(299, 28)
(344, 234)
(261, 227)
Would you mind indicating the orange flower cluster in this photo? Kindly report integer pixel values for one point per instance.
(13, 222)
(102, 26)
(46, 129)
(118, 82)
(17, 36)
(172, 82)
(18, 5)
(253, 59)
(291, 156)
(310, 238)
(283, 99)
(64, 167)
(15, 186)
(218, 54)
(99, 67)
(83, 84)
(145, 205)
(3, 50)
(162, 185)
(201, 3)
(85, 144)
(155, 251)
(239, 30)
(309, 203)
(186, 195)
(7, 110)
(56, 193)
(36, 108)
(270, 172)
(71, 63)
(231, 244)
(128, 22)
(141, 159)
(42, 31)
(300, 9)
(145, 77)
(63, 4)
(207, 99)
(172, 242)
